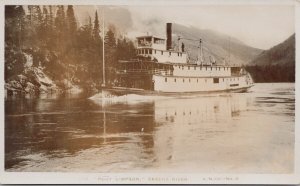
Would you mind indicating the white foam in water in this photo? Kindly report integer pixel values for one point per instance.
(128, 98)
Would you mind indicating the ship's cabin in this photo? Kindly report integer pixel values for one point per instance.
(152, 42)
(155, 48)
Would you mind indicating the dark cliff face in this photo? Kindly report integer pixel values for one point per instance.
(281, 54)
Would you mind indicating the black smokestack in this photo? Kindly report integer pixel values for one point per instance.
(169, 36)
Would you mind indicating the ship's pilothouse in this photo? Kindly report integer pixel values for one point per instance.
(159, 49)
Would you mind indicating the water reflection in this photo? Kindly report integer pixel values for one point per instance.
(199, 133)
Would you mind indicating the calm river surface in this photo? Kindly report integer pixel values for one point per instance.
(219, 133)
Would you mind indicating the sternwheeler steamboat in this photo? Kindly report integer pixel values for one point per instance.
(160, 69)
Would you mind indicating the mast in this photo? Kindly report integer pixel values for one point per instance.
(178, 43)
(103, 50)
(200, 52)
(229, 49)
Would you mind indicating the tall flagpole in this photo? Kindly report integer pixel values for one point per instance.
(103, 50)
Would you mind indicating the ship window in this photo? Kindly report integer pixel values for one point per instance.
(219, 68)
(162, 52)
(166, 79)
(224, 68)
(150, 51)
(170, 53)
(175, 80)
(178, 53)
(216, 80)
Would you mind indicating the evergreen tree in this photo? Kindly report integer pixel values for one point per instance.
(110, 40)
(15, 31)
(71, 22)
(38, 15)
(45, 26)
(51, 31)
(14, 37)
(30, 8)
(60, 28)
(51, 17)
(110, 55)
(125, 50)
(96, 30)
(90, 27)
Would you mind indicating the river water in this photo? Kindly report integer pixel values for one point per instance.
(217, 133)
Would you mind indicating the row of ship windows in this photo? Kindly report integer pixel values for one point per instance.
(215, 80)
(150, 51)
(217, 68)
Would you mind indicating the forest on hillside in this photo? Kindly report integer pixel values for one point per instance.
(276, 64)
(272, 73)
(59, 48)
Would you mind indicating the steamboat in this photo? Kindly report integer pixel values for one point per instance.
(161, 69)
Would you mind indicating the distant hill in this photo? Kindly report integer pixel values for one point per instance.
(215, 44)
(281, 54)
(276, 64)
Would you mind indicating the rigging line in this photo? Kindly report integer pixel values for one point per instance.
(203, 41)
(204, 48)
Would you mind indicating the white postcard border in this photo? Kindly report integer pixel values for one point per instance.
(153, 178)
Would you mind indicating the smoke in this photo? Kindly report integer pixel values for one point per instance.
(115, 17)
(127, 21)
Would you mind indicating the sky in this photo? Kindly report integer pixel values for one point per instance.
(259, 26)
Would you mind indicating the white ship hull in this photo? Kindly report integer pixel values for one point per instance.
(183, 84)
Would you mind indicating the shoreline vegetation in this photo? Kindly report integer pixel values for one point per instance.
(272, 73)
(46, 51)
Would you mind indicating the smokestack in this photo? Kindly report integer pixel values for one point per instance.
(169, 36)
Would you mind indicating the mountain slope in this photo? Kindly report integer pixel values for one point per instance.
(215, 44)
(281, 54)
